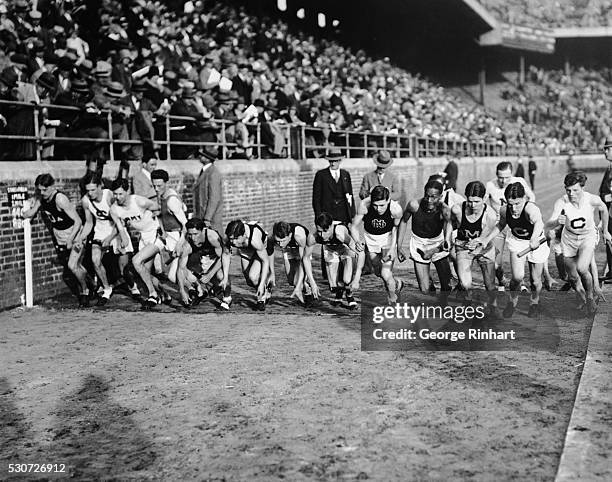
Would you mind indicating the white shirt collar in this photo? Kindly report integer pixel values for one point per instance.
(206, 166)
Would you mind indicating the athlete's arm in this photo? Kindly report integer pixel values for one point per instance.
(33, 209)
(63, 203)
(175, 206)
(411, 208)
(534, 215)
(306, 255)
(260, 248)
(125, 238)
(181, 275)
(226, 257)
(456, 214)
(357, 221)
(553, 222)
(148, 204)
(217, 243)
(448, 227)
(498, 228)
(396, 214)
(88, 226)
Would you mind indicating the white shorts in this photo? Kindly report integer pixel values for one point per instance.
(538, 256)
(336, 255)
(425, 244)
(62, 236)
(150, 237)
(206, 262)
(172, 239)
(376, 243)
(571, 243)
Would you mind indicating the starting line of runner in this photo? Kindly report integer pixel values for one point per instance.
(586, 453)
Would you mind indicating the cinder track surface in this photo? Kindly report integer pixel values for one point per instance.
(118, 393)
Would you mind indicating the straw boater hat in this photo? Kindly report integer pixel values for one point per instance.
(383, 159)
(334, 154)
(209, 152)
(115, 90)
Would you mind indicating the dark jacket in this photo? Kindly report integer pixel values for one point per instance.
(331, 196)
(208, 197)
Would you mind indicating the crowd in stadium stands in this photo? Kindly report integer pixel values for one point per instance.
(563, 111)
(143, 59)
(552, 13)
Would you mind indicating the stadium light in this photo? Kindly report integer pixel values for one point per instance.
(282, 5)
(321, 20)
(301, 14)
(335, 22)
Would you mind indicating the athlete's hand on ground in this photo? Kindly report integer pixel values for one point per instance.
(315, 291)
(272, 281)
(297, 293)
(401, 256)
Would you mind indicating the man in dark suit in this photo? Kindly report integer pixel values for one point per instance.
(606, 196)
(208, 190)
(332, 190)
(452, 171)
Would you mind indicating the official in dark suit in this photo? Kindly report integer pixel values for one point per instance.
(606, 196)
(208, 190)
(141, 181)
(452, 171)
(381, 176)
(332, 190)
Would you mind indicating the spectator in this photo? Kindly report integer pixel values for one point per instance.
(381, 176)
(451, 171)
(208, 190)
(532, 171)
(332, 190)
(520, 170)
(141, 181)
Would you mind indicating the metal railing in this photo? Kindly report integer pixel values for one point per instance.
(299, 141)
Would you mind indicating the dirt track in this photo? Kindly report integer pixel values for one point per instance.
(123, 394)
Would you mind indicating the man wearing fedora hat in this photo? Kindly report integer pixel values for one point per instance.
(208, 190)
(381, 176)
(332, 190)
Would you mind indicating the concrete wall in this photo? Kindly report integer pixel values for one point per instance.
(264, 190)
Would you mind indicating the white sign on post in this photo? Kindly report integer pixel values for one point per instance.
(18, 201)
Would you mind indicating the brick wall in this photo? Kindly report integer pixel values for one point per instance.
(266, 191)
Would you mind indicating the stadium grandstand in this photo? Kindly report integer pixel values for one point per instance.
(274, 79)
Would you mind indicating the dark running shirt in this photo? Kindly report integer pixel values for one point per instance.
(375, 223)
(469, 230)
(198, 252)
(333, 241)
(427, 225)
(520, 227)
(59, 219)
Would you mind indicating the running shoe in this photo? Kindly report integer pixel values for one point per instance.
(338, 299)
(226, 302)
(84, 300)
(399, 285)
(260, 306)
(566, 287)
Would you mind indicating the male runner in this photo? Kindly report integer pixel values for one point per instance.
(254, 249)
(475, 219)
(297, 244)
(579, 236)
(339, 251)
(431, 236)
(201, 265)
(526, 230)
(495, 199)
(96, 205)
(61, 217)
(380, 217)
(136, 212)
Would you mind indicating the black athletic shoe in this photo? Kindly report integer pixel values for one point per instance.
(508, 310)
(260, 306)
(566, 287)
(352, 304)
(338, 299)
(83, 301)
(308, 299)
(102, 301)
(152, 301)
(534, 311)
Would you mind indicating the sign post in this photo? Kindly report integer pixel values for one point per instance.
(18, 201)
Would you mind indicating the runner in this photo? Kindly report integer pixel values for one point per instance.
(380, 217)
(575, 212)
(255, 250)
(526, 229)
(339, 251)
(431, 235)
(297, 244)
(172, 220)
(475, 219)
(495, 200)
(136, 212)
(64, 223)
(201, 265)
(96, 205)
